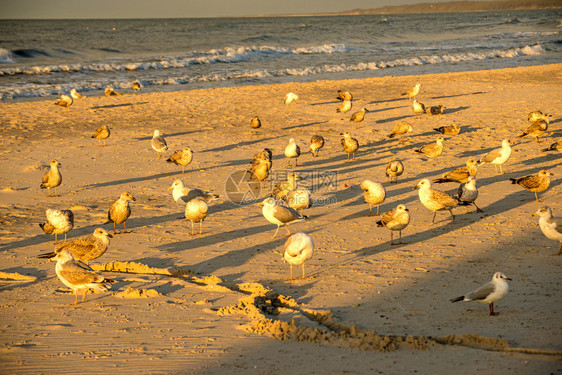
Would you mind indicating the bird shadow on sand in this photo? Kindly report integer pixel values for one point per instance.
(390, 119)
(457, 95)
(454, 110)
(241, 144)
(389, 101)
(108, 106)
(304, 125)
(170, 135)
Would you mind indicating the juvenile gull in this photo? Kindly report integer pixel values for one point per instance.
(279, 215)
(282, 188)
(290, 97)
(261, 165)
(497, 156)
(85, 248)
(255, 123)
(555, 146)
(418, 108)
(374, 194)
(536, 129)
(488, 293)
(411, 93)
(394, 168)
(460, 174)
(52, 178)
(64, 101)
(538, 115)
(101, 133)
(400, 128)
(449, 129)
(297, 250)
(79, 276)
(181, 158)
(350, 145)
(359, 116)
(110, 92)
(316, 143)
(75, 94)
(292, 151)
(468, 192)
(436, 109)
(182, 194)
(58, 222)
(158, 143)
(344, 107)
(299, 199)
(432, 150)
(395, 220)
(535, 183)
(344, 95)
(136, 86)
(435, 200)
(550, 226)
(196, 211)
(120, 211)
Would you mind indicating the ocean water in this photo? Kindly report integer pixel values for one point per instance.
(44, 58)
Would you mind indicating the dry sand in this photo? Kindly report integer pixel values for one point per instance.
(221, 302)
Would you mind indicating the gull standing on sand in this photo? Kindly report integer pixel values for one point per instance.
(436, 110)
(75, 94)
(58, 222)
(64, 101)
(432, 150)
(449, 129)
(79, 276)
(460, 174)
(394, 168)
(279, 215)
(374, 194)
(196, 211)
(344, 107)
(316, 143)
(158, 143)
(497, 156)
(413, 92)
(182, 194)
(488, 293)
(536, 129)
(120, 211)
(359, 116)
(261, 165)
(557, 145)
(435, 200)
(255, 123)
(290, 97)
(550, 226)
(418, 108)
(298, 248)
(292, 151)
(395, 220)
(344, 95)
(101, 133)
(468, 192)
(400, 128)
(281, 189)
(535, 183)
(52, 178)
(350, 145)
(85, 248)
(181, 158)
(110, 92)
(136, 86)
(299, 199)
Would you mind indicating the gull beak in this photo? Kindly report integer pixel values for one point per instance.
(170, 188)
(109, 235)
(507, 278)
(407, 210)
(416, 187)
(534, 214)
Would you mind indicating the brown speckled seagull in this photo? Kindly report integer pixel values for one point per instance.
(535, 183)
(120, 211)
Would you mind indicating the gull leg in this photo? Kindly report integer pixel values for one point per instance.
(75, 299)
(433, 220)
(303, 271)
(201, 227)
(114, 228)
(492, 313)
(536, 197)
(560, 251)
(477, 208)
(288, 232)
(275, 234)
(370, 210)
(56, 238)
(192, 230)
(377, 210)
(125, 226)
(452, 216)
(391, 238)
(84, 296)
(291, 268)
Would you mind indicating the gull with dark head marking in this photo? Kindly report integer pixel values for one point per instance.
(120, 211)
(556, 146)
(488, 293)
(418, 108)
(395, 220)
(316, 143)
(536, 129)
(413, 92)
(432, 150)
(435, 200)
(181, 158)
(298, 248)
(460, 174)
(136, 86)
(110, 92)
(550, 226)
(158, 143)
(58, 222)
(290, 97)
(468, 192)
(400, 128)
(85, 248)
(497, 156)
(196, 211)
(344, 95)
(64, 101)
(75, 94)
(350, 145)
(394, 168)
(292, 151)
(374, 194)
(182, 194)
(359, 116)
(535, 183)
(101, 134)
(278, 214)
(449, 129)
(52, 178)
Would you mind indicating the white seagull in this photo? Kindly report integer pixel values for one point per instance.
(489, 293)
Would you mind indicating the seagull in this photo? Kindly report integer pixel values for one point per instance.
(120, 211)
(181, 158)
(350, 145)
(418, 108)
(374, 194)
(550, 226)
(196, 211)
(535, 183)
(158, 143)
(467, 193)
(85, 248)
(292, 151)
(52, 178)
(489, 293)
(279, 215)
(432, 150)
(136, 86)
(411, 93)
(435, 110)
(538, 115)
(255, 123)
(101, 133)
(344, 107)
(64, 101)
(555, 146)
(182, 194)
(395, 220)
(497, 156)
(261, 165)
(394, 168)
(400, 128)
(460, 174)
(290, 97)
(316, 143)
(299, 199)
(281, 189)
(75, 94)
(344, 95)
(359, 116)
(435, 200)
(298, 248)
(110, 92)
(536, 129)
(449, 129)
(58, 222)
(77, 275)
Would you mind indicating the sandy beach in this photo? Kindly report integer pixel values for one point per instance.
(221, 302)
